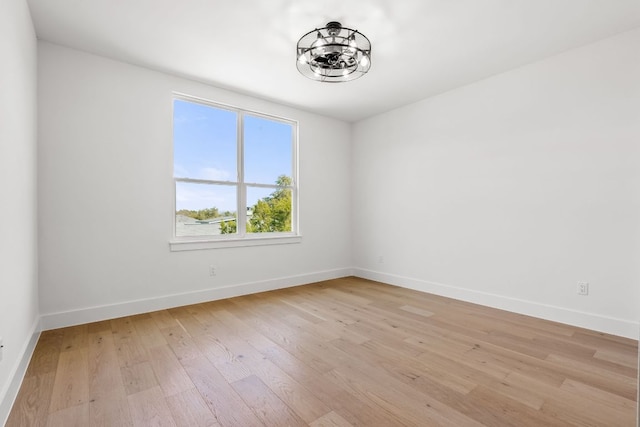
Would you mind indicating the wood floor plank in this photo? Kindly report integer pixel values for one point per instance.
(405, 407)
(354, 410)
(461, 353)
(149, 408)
(45, 355)
(331, 419)
(612, 402)
(231, 356)
(310, 315)
(318, 330)
(627, 359)
(602, 340)
(182, 344)
(322, 308)
(606, 381)
(71, 386)
(482, 405)
(110, 413)
(190, 410)
(400, 399)
(302, 400)
(396, 363)
(212, 348)
(148, 331)
(163, 319)
(138, 377)
(283, 336)
(99, 327)
(73, 416)
(265, 404)
(223, 401)
(236, 327)
(344, 352)
(75, 337)
(185, 318)
(168, 370)
(603, 410)
(416, 310)
(31, 407)
(128, 343)
(104, 381)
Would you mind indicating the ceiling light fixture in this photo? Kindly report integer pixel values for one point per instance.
(333, 54)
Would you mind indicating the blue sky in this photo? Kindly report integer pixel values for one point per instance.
(205, 148)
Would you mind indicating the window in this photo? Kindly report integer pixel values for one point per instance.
(234, 175)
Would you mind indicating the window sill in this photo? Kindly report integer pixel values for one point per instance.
(195, 245)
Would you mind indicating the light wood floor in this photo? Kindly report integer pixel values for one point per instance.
(347, 352)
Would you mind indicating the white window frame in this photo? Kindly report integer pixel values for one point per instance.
(241, 238)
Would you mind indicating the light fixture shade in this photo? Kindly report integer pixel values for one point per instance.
(333, 54)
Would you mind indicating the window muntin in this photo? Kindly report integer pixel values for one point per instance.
(234, 173)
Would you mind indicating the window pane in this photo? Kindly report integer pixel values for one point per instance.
(267, 150)
(269, 210)
(204, 142)
(205, 209)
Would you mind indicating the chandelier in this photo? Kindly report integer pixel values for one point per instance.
(333, 54)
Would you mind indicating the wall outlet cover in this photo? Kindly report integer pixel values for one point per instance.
(583, 288)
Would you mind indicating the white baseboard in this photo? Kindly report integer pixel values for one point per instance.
(128, 308)
(609, 325)
(10, 391)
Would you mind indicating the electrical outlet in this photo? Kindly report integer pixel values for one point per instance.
(212, 271)
(583, 288)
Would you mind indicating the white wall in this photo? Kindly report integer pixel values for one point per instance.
(106, 203)
(509, 191)
(18, 262)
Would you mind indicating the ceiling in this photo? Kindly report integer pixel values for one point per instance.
(419, 47)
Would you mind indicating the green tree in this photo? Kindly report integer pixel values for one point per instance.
(269, 214)
(201, 214)
(228, 227)
(208, 213)
(273, 213)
